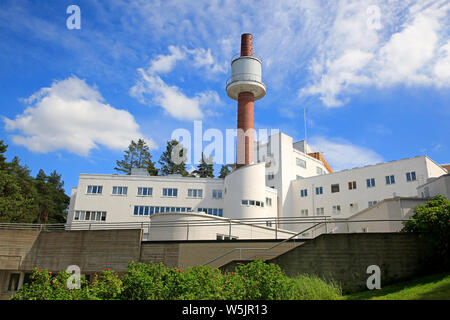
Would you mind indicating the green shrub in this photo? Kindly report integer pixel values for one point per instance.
(256, 280)
(144, 282)
(45, 285)
(105, 286)
(432, 220)
(263, 281)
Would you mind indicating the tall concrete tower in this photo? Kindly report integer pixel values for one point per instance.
(246, 87)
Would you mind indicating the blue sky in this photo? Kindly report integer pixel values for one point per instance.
(373, 75)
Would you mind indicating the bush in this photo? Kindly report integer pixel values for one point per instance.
(256, 280)
(263, 281)
(432, 220)
(45, 285)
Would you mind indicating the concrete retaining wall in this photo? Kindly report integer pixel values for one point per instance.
(345, 258)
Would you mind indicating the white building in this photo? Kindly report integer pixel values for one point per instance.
(291, 184)
(283, 190)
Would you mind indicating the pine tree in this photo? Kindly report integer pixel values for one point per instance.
(205, 168)
(224, 171)
(137, 156)
(173, 160)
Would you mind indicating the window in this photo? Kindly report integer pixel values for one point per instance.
(268, 202)
(120, 190)
(319, 190)
(170, 192)
(334, 188)
(195, 193)
(76, 216)
(390, 179)
(94, 189)
(301, 163)
(145, 191)
(304, 212)
(253, 203)
(319, 170)
(270, 176)
(336, 209)
(320, 211)
(370, 183)
(150, 210)
(211, 211)
(352, 185)
(217, 194)
(372, 203)
(303, 193)
(411, 176)
(14, 282)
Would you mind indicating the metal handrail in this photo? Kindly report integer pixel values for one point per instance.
(296, 235)
(257, 78)
(270, 248)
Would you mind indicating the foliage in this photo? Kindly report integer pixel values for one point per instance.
(256, 280)
(173, 160)
(25, 199)
(224, 171)
(205, 168)
(432, 220)
(137, 156)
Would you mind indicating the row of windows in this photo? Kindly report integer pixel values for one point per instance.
(336, 209)
(302, 164)
(253, 203)
(148, 191)
(212, 211)
(89, 216)
(195, 193)
(370, 183)
(149, 210)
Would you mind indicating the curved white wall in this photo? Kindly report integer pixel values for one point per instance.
(246, 183)
(198, 226)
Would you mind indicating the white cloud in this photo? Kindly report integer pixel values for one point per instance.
(355, 56)
(165, 63)
(341, 154)
(73, 116)
(151, 89)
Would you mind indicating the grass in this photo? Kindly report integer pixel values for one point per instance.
(432, 287)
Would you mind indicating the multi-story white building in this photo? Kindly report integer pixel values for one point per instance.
(284, 181)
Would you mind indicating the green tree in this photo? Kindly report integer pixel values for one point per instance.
(224, 171)
(205, 168)
(52, 200)
(137, 156)
(173, 160)
(432, 221)
(24, 199)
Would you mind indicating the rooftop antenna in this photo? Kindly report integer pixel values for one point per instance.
(304, 117)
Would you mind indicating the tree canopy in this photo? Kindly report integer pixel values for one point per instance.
(137, 156)
(224, 171)
(27, 199)
(205, 168)
(173, 160)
